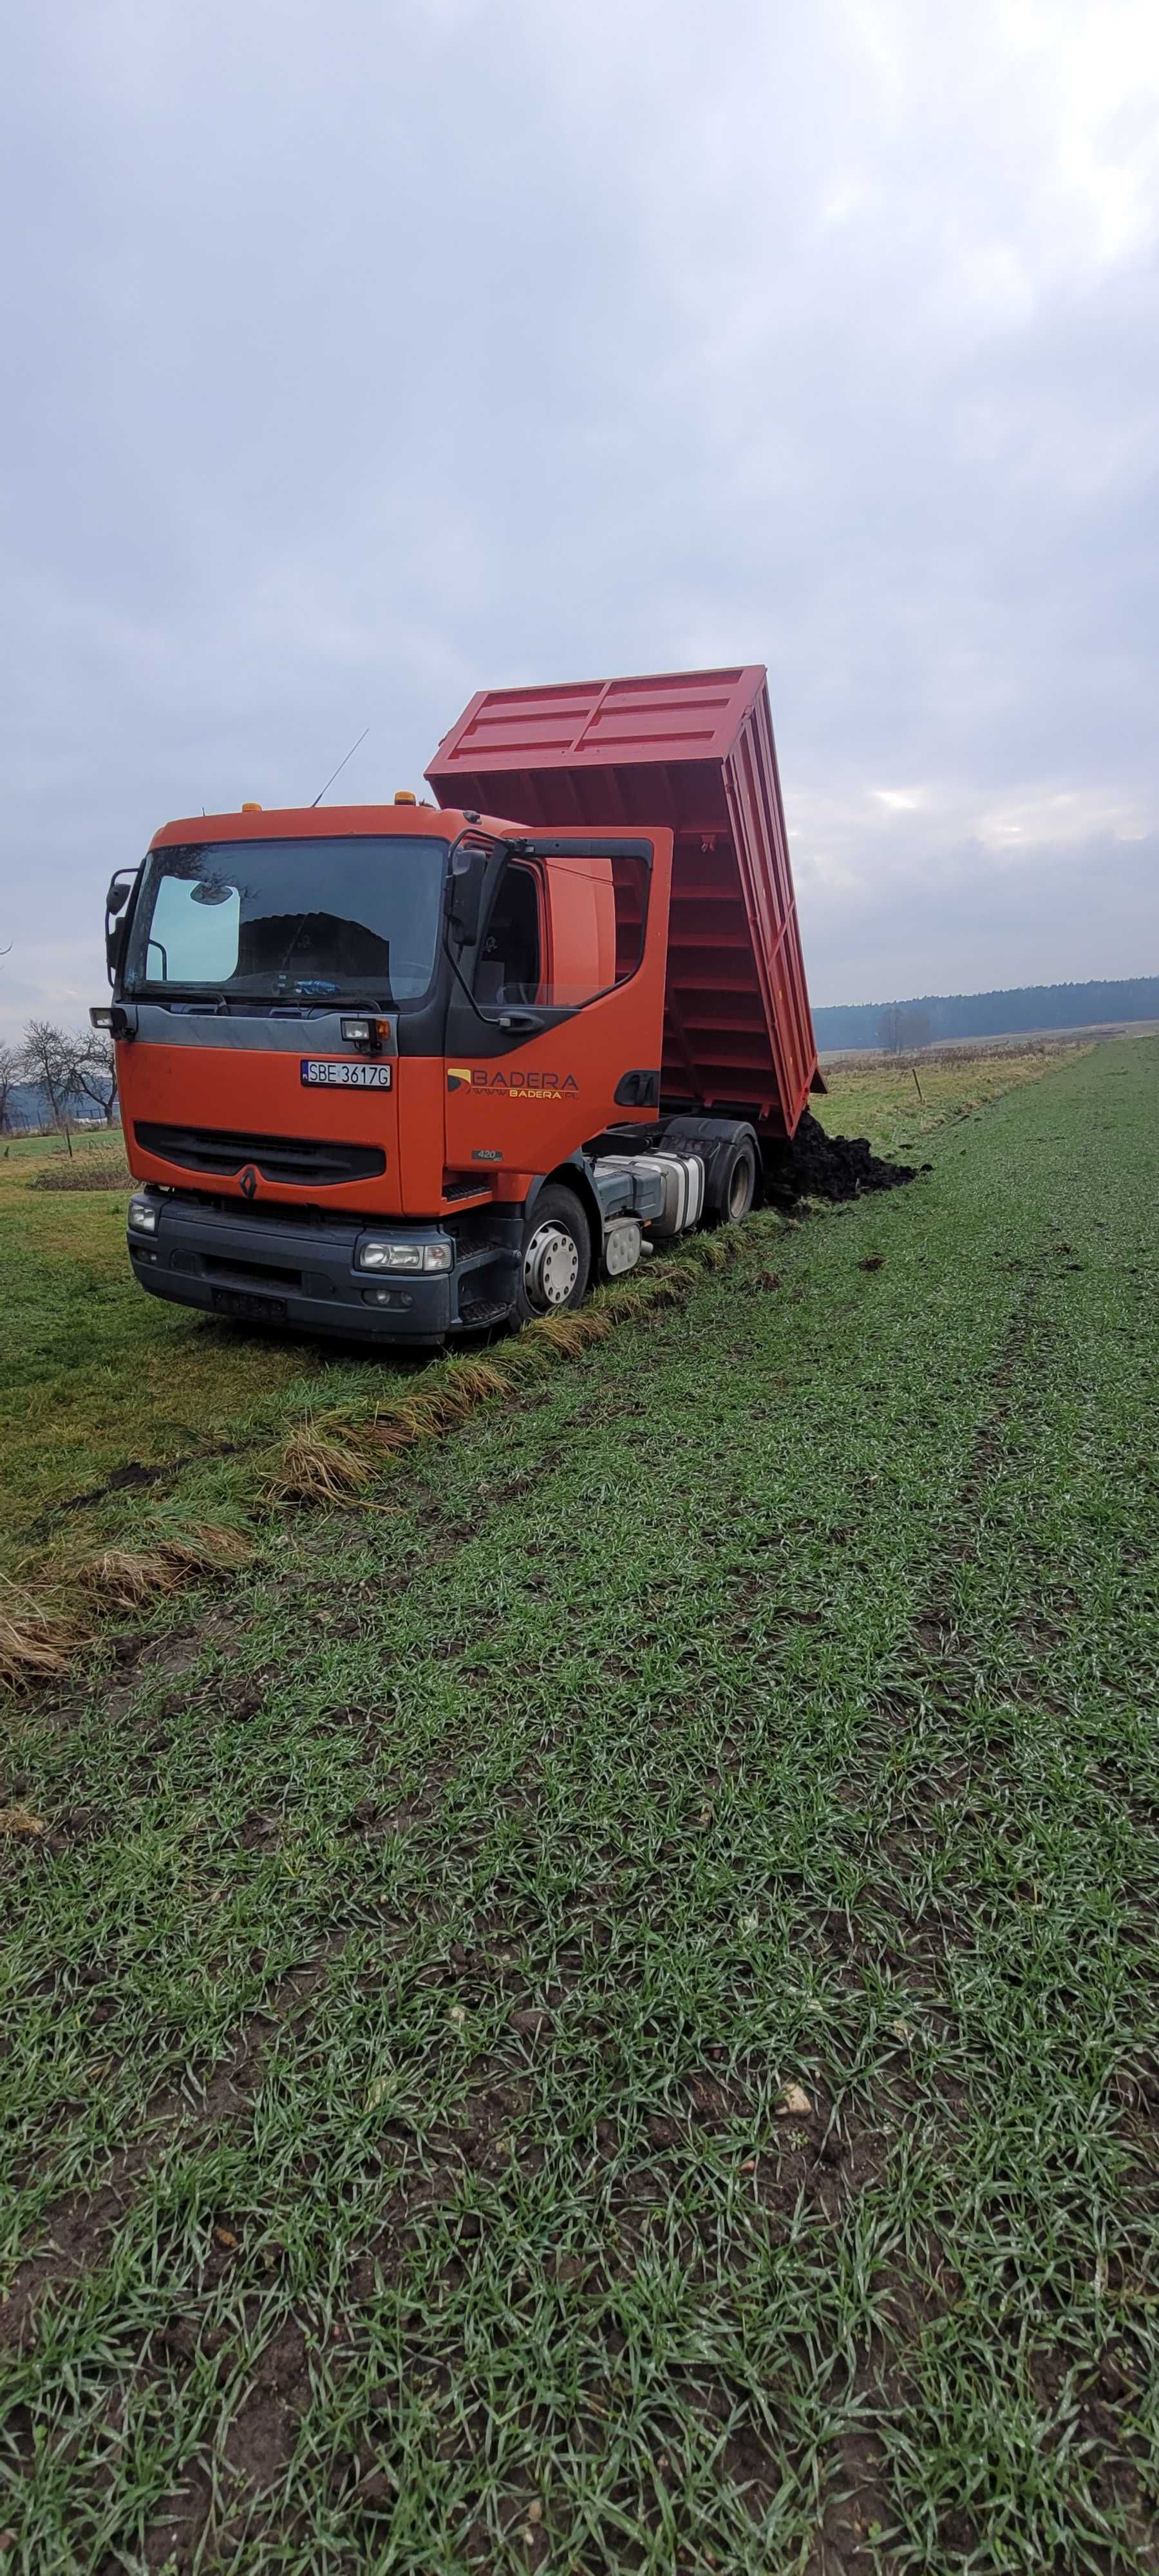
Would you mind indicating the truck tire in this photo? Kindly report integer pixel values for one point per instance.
(556, 1258)
(733, 1184)
(728, 1149)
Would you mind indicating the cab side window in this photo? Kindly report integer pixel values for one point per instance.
(597, 909)
(563, 931)
(510, 963)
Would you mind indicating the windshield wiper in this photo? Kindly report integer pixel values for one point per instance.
(213, 1001)
(299, 1004)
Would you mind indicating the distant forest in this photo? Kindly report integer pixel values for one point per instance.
(931, 1016)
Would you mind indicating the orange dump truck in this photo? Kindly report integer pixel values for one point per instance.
(404, 1072)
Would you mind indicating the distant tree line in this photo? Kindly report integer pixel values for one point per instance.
(69, 1071)
(903, 1026)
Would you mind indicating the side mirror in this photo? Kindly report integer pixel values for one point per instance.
(465, 903)
(120, 889)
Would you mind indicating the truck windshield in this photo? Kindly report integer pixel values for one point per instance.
(306, 921)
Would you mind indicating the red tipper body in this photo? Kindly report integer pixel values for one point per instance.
(693, 751)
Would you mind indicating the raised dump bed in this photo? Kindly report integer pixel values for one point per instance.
(693, 750)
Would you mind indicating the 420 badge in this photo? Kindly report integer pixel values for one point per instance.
(335, 1074)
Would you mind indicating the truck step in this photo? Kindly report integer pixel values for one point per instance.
(473, 1318)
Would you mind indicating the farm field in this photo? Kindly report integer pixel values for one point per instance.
(112, 1404)
(600, 2012)
(1011, 1040)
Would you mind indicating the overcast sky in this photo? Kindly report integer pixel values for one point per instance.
(365, 352)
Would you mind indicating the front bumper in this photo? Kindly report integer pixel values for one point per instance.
(278, 1269)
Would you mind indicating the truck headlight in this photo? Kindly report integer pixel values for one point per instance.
(390, 1256)
(404, 1256)
(143, 1215)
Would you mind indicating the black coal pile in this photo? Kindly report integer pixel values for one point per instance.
(817, 1166)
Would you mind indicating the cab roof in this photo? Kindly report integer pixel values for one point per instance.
(329, 822)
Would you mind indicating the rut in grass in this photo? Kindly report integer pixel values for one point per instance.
(42, 1628)
(329, 1461)
(332, 1460)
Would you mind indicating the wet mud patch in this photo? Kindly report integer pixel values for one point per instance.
(136, 1475)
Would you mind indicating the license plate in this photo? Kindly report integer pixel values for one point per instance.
(335, 1075)
(238, 1301)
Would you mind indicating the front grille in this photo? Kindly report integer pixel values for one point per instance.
(304, 1161)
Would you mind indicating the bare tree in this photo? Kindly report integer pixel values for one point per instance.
(46, 1059)
(95, 1071)
(9, 1077)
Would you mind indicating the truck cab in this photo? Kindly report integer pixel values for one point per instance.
(357, 1045)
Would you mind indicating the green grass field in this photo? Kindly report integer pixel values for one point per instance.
(99, 1382)
(601, 2014)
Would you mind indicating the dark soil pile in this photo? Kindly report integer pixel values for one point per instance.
(817, 1166)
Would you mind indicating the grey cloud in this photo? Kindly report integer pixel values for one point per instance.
(1058, 916)
(368, 355)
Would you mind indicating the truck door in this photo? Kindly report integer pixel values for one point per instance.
(561, 1035)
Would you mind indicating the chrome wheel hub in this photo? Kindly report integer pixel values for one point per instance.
(550, 1267)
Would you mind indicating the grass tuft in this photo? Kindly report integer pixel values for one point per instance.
(529, 1356)
(714, 1251)
(207, 1547)
(35, 1644)
(478, 1379)
(414, 1417)
(568, 1334)
(124, 1577)
(320, 1467)
(635, 1301)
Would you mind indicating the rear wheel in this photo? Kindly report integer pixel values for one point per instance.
(734, 1185)
(556, 1259)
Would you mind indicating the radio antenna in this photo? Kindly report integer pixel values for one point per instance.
(341, 765)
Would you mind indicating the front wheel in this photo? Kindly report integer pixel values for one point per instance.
(556, 1259)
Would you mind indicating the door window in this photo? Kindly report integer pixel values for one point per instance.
(562, 930)
(510, 960)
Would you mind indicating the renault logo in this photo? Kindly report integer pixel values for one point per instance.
(249, 1181)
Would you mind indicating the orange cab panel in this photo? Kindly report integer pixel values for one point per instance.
(243, 1124)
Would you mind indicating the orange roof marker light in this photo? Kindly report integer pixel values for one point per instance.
(251, 809)
(405, 796)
